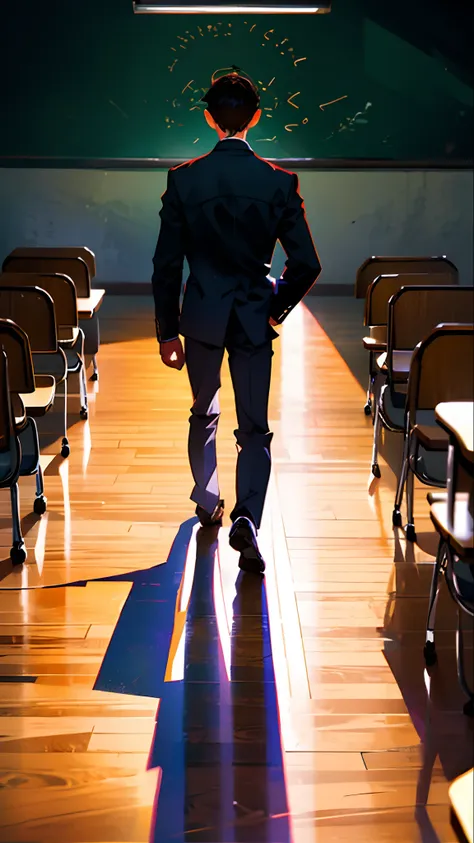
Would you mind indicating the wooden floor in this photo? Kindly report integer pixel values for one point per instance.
(148, 694)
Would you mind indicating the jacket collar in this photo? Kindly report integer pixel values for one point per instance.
(233, 146)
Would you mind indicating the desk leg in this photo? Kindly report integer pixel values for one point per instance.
(91, 342)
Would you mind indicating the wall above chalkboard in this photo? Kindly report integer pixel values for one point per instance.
(92, 81)
(228, 7)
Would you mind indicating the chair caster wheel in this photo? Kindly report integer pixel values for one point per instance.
(65, 449)
(468, 709)
(84, 414)
(376, 470)
(94, 376)
(429, 653)
(396, 518)
(18, 553)
(39, 505)
(368, 409)
(410, 532)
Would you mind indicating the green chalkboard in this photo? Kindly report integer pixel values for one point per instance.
(367, 81)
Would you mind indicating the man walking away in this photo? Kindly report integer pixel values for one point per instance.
(225, 213)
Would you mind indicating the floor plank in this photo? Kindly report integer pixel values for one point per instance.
(148, 694)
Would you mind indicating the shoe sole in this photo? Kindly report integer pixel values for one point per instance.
(250, 559)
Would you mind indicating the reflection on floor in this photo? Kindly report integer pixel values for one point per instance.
(153, 695)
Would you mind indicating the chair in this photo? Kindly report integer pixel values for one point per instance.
(29, 398)
(33, 310)
(50, 262)
(25, 400)
(376, 313)
(413, 313)
(70, 336)
(82, 252)
(74, 252)
(376, 265)
(10, 458)
(442, 369)
(78, 262)
(452, 515)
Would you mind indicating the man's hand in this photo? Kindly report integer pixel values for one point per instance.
(172, 353)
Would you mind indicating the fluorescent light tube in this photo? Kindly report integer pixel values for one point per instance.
(156, 9)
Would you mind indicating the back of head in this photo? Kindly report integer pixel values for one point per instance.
(232, 101)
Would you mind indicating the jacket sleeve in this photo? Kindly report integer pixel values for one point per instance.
(168, 264)
(302, 267)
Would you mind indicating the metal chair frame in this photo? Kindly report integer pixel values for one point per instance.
(73, 346)
(43, 359)
(26, 443)
(387, 376)
(45, 259)
(446, 558)
(411, 465)
(406, 279)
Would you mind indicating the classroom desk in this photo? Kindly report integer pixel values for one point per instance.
(88, 312)
(87, 308)
(461, 798)
(457, 418)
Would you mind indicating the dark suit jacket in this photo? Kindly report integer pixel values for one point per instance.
(225, 212)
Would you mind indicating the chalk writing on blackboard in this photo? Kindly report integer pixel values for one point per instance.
(331, 102)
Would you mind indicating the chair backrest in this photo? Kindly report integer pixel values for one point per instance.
(50, 262)
(6, 419)
(33, 310)
(442, 368)
(16, 346)
(377, 265)
(83, 252)
(75, 252)
(384, 287)
(60, 288)
(415, 311)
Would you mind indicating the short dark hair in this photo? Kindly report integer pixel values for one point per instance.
(232, 101)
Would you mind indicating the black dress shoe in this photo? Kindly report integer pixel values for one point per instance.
(243, 537)
(211, 519)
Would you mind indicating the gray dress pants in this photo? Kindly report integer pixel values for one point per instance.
(250, 369)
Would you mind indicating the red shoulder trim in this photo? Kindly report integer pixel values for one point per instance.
(191, 161)
(272, 165)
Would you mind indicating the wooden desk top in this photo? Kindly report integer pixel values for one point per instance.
(461, 796)
(86, 308)
(457, 417)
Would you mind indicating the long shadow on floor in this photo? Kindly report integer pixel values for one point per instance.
(127, 318)
(434, 700)
(217, 739)
(341, 318)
